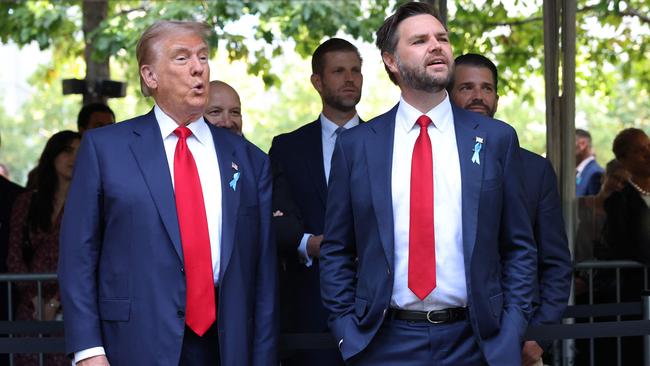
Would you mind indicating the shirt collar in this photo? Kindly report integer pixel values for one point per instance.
(407, 115)
(167, 125)
(329, 128)
(584, 163)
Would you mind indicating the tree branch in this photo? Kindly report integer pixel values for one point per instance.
(635, 13)
(628, 12)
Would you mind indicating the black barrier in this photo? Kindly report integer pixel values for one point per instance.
(303, 341)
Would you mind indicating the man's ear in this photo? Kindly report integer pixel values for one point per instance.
(316, 82)
(390, 62)
(149, 76)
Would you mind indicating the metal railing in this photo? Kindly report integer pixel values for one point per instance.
(36, 336)
(29, 336)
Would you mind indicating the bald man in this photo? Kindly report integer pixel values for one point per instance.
(224, 107)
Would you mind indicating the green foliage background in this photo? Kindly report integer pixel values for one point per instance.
(262, 48)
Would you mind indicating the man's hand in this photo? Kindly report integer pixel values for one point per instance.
(100, 360)
(313, 245)
(531, 354)
(49, 309)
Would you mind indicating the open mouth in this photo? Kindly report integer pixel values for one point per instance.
(198, 87)
(436, 62)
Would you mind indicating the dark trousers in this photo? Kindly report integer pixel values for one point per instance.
(408, 343)
(200, 351)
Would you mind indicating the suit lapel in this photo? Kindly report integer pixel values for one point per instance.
(227, 157)
(148, 150)
(471, 173)
(379, 155)
(313, 159)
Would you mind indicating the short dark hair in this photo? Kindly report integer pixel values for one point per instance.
(580, 133)
(331, 45)
(476, 60)
(86, 111)
(623, 141)
(387, 33)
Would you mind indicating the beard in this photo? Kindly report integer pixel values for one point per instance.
(339, 102)
(417, 77)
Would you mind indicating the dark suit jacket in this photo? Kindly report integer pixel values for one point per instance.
(300, 155)
(288, 226)
(627, 227)
(553, 257)
(121, 262)
(500, 256)
(590, 180)
(8, 193)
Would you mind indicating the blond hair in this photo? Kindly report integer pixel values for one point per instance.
(147, 50)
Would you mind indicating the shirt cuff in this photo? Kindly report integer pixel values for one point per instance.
(88, 353)
(302, 250)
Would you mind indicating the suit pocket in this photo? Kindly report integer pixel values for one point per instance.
(496, 305)
(118, 310)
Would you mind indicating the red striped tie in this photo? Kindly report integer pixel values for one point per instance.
(422, 243)
(200, 308)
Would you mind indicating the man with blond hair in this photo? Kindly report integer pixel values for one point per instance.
(155, 266)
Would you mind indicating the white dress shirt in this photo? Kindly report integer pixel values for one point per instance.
(450, 290)
(328, 138)
(201, 144)
(583, 165)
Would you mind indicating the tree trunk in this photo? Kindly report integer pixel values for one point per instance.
(94, 12)
(441, 8)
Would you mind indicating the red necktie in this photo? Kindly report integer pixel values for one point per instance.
(422, 243)
(200, 308)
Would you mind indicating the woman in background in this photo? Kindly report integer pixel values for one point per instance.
(34, 234)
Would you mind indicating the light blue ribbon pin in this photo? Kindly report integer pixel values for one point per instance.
(477, 149)
(233, 182)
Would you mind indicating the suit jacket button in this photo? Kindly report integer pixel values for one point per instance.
(180, 313)
(182, 270)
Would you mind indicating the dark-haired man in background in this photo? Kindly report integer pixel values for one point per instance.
(588, 172)
(474, 87)
(94, 115)
(304, 156)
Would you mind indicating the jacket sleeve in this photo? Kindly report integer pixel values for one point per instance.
(554, 259)
(79, 250)
(265, 342)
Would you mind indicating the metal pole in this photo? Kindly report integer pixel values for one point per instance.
(645, 301)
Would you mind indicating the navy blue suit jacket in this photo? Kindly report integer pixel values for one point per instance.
(590, 180)
(357, 255)
(121, 262)
(553, 257)
(300, 155)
